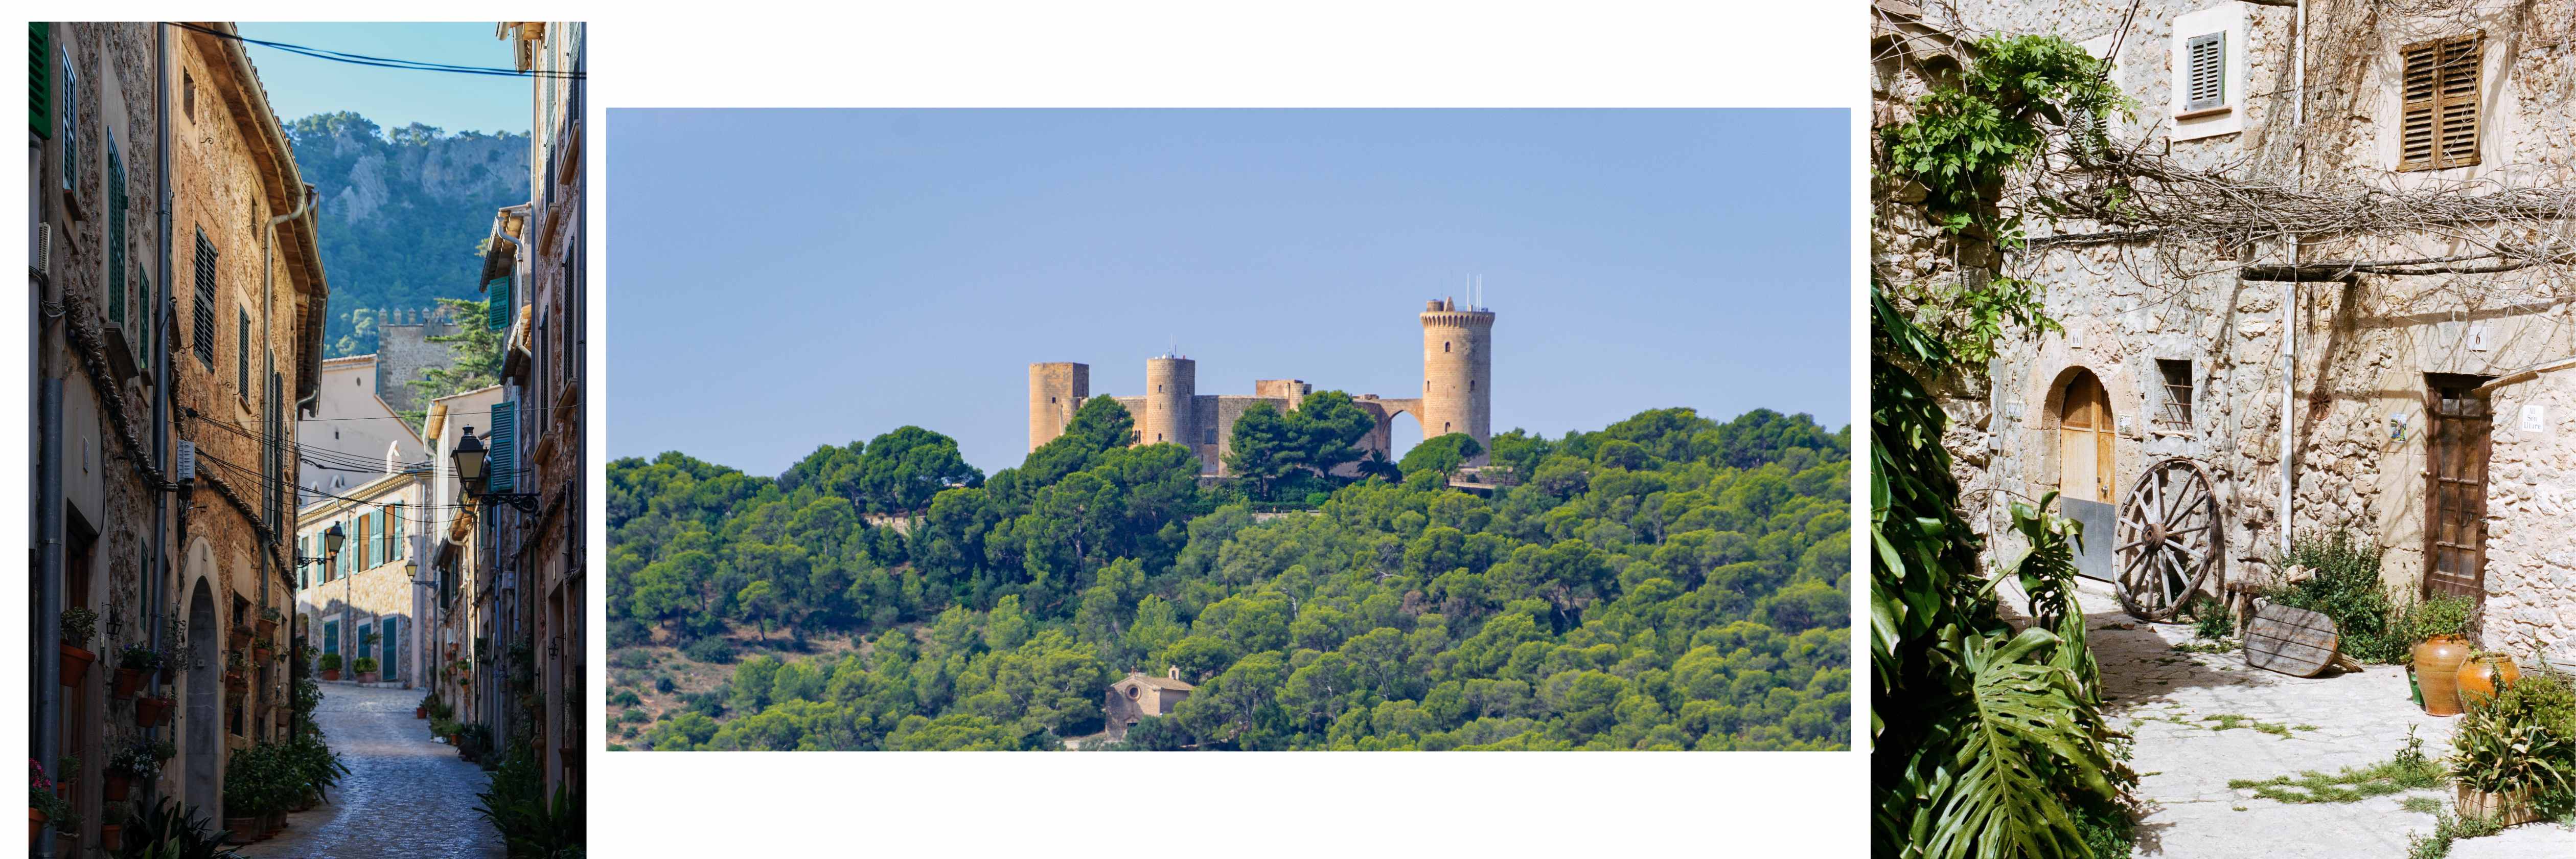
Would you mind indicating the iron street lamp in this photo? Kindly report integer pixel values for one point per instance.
(472, 471)
(331, 541)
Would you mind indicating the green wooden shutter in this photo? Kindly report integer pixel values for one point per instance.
(303, 571)
(40, 79)
(502, 463)
(395, 522)
(147, 313)
(501, 311)
(393, 639)
(116, 235)
(383, 545)
(330, 636)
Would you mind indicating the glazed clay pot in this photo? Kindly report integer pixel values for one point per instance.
(2481, 679)
(2437, 667)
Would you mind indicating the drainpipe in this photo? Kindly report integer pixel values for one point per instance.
(268, 315)
(155, 582)
(2290, 289)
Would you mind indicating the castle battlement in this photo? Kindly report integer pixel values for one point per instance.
(1457, 394)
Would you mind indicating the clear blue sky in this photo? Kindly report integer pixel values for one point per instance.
(783, 279)
(300, 86)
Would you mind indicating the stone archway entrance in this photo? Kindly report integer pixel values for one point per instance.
(205, 704)
(2085, 469)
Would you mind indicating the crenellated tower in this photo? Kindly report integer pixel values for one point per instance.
(1457, 372)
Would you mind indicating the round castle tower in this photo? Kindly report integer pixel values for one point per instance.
(1171, 398)
(1457, 372)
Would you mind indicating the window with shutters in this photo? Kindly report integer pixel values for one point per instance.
(115, 235)
(2437, 127)
(241, 357)
(205, 301)
(69, 119)
(2205, 74)
(188, 95)
(501, 462)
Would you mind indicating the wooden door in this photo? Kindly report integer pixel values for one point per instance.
(2455, 486)
(2084, 433)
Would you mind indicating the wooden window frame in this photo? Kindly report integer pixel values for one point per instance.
(2173, 411)
(2441, 83)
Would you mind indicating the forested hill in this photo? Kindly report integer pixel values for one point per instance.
(1669, 582)
(402, 213)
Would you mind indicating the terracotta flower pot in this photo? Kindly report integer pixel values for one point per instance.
(240, 637)
(128, 681)
(115, 788)
(366, 677)
(151, 711)
(420, 712)
(76, 664)
(111, 837)
(267, 627)
(67, 844)
(262, 654)
(2481, 679)
(35, 826)
(2437, 667)
(244, 829)
(331, 674)
(2506, 809)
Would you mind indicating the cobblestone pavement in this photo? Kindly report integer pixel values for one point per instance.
(405, 795)
(2168, 699)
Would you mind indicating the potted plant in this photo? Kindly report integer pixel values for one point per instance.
(111, 826)
(236, 673)
(268, 618)
(239, 635)
(2514, 748)
(330, 666)
(79, 624)
(2485, 673)
(135, 663)
(366, 668)
(152, 710)
(42, 803)
(69, 783)
(137, 762)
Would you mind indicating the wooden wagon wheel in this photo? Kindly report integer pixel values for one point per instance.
(2169, 540)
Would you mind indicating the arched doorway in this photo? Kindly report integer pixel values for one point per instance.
(205, 703)
(2084, 433)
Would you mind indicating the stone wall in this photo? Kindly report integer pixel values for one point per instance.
(2364, 347)
(403, 353)
(2531, 499)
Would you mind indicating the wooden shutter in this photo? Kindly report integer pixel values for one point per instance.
(116, 236)
(40, 79)
(2205, 73)
(241, 356)
(502, 462)
(497, 317)
(205, 302)
(394, 530)
(147, 312)
(2438, 126)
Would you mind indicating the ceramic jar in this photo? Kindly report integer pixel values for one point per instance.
(2437, 668)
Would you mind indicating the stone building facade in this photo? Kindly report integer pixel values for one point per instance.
(177, 296)
(537, 272)
(353, 436)
(1139, 696)
(1457, 394)
(455, 625)
(2403, 375)
(364, 600)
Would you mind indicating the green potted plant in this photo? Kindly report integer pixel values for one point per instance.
(139, 761)
(135, 664)
(79, 625)
(111, 826)
(69, 766)
(330, 666)
(43, 804)
(366, 668)
(236, 670)
(268, 618)
(2514, 748)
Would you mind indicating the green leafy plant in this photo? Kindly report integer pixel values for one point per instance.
(2520, 742)
(138, 657)
(330, 662)
(2344, 585)
(79, 626)
(174, 831)
(363, 664)
(531, 823)
(1985, 735)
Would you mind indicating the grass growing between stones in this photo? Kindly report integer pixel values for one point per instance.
(2447, 829)
(2422, 805)
(2409, 770)
(2231, 721)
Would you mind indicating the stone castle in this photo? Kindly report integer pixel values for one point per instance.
(1457, 394)
(403, 352)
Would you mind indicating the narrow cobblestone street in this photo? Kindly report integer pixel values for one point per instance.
(406, 794)
(2172, 701)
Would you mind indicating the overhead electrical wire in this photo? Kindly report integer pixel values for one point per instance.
(380, 62)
